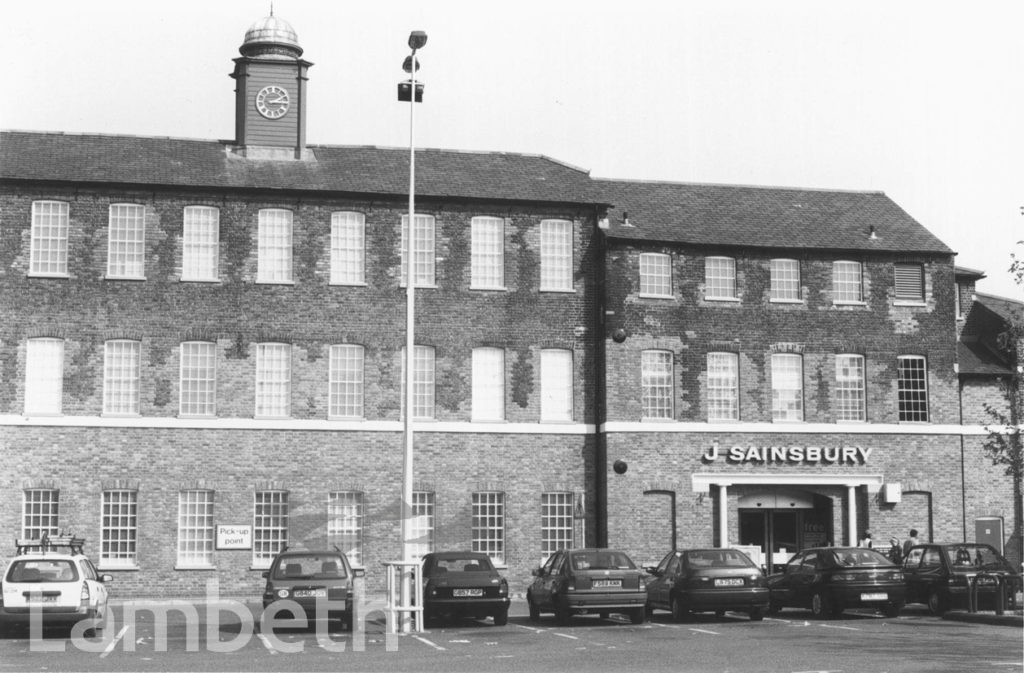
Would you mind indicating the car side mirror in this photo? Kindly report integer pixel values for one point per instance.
(265, 574)
(652, 570)
(358, 572)
(106, 578)
(537, 572)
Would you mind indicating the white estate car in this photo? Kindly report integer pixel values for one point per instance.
(52, 577)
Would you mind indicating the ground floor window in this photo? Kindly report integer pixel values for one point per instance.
(270, 526)
(345, 523)
(195, 528)
(489, 525)
(421, 526)
(556, 512)
(40, 513)
(119, 529)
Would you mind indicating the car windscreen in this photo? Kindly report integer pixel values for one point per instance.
(859, 557)
(601, 560)
(42, 570)
(310, 567)
(718, 559)
(975, 556)
(461, 565)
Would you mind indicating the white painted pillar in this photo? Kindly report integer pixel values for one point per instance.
(851, 516)
(723, 515)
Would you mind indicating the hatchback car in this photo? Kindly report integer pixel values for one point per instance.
(707, 580)
(941, 576)
(53, 578)
(587, 581)
(463, 584)
(829, 580)
(317, 583)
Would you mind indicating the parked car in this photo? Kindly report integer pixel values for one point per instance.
(587, 581)
(463, 584)
(941, 575)
(319, 583)
(52, 577)
(829, 580)
(707, 580)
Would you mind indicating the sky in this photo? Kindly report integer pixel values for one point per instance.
(921, 100)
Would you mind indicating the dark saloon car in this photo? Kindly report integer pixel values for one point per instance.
(941, 575)
(707, 580)
(829, 580)
(318, 584)
(463, 584)
(587, 581)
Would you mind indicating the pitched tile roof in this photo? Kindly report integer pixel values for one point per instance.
(359, 170)
(976, 359)
(701, 214)
(980, 351)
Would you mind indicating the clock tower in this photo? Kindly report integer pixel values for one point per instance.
(270, 92)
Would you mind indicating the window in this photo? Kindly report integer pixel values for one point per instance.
(44, 376)
(423, 382)
(348, 248)
(656, 382)
(40, 513)
(198, 379)
(850, 400)
(345, 523)
(719, 278)
(556, 519)
(126, 249)
(787, 387)
(556, 382)
(489, 525)
(273, 380)
(423, 256)
(912, 388)
(556, 255)
(655, 275)
(488, 254)
(270, 526)
(121, 371)
(345, 381)
(119, 528)
(847, 283)
(723, 387)
(421, 527)
(195, 529)
(200, 243)
(49, 249)
(785, 280)
(909, 280)
(488, 384)
(274, 254)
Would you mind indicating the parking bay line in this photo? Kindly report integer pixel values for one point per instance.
(113, 643)
(564, 635)
(831, 626)
(713, 633)
(434, 645)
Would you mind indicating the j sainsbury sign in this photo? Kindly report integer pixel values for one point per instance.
(836, 455)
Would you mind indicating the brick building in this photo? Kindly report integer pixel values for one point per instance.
(197, 334)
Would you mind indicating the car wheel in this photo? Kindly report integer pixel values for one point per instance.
(679, 611)
(534, 610)
(892, 609)
(603, 614)
(719, 613)
(562, 615)
(501, 618)
(821, 605)
(774, 608)
(637, 615)
(757, 615)
(936, 604)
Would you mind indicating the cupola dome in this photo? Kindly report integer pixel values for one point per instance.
(271, 36)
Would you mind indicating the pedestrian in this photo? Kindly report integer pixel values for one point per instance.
(895, 551)
(910, 541)
(867, 541)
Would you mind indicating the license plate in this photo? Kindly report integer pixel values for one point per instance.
(42, 598)
(464, 593)
(729, 582)
(874, 597)
(607, 584)
(310, 593)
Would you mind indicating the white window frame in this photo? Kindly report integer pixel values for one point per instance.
(908, 275)
(556, 385)
(126, 242)
(49, 246)
(488, 525)
(421, 526)
(655, 275)
(345, 523)
(195, 528)
(122, 371)
(556, 521)
(40, 512)
(556, 256)
(720, 279)
(657, 384)
(847, 282)
(273, 380)
(785, 281)
(851, 388)
(44, 377)
(275, 246)
(269, 526)
(487, 266)
(197, 396)
(200, 244)
(424, 253)
(348, 248)
(119, 528)
(912, 400)
(345, 381)
(423, 366)
(787, 387)
(488, 387)
(723, 388)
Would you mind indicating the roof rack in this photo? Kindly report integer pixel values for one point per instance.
(49, 543)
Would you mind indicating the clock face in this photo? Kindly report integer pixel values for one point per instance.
(272, 102)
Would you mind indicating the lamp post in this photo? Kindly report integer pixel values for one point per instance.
(411, 91)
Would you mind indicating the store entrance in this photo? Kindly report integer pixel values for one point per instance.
(781, 524)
